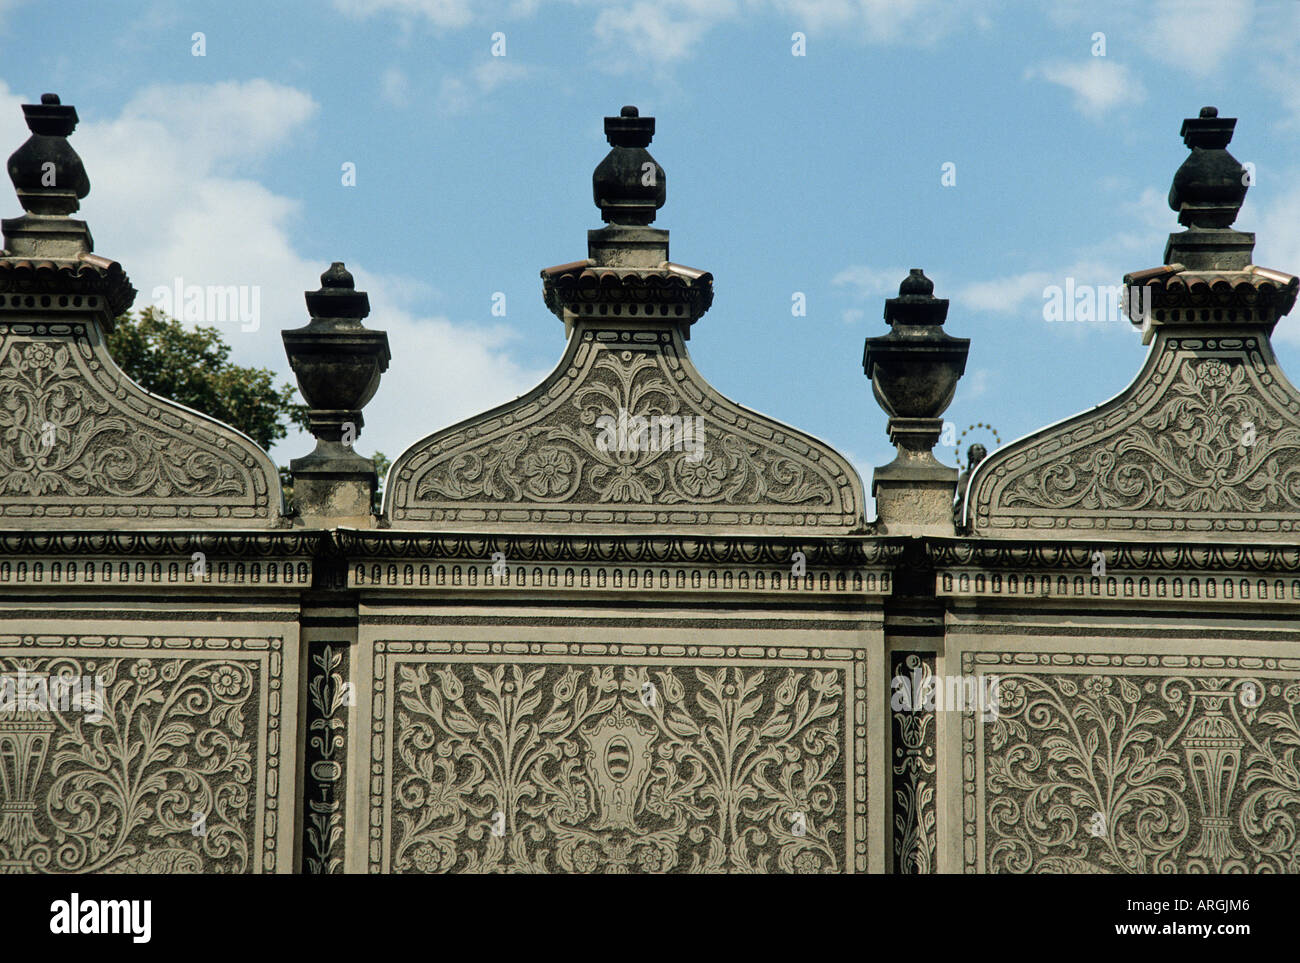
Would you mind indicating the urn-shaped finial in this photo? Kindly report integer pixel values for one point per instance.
(338, 363)
(48, 175)
(914, 369)
(914, 372)
(629, 185)
(1211, 184)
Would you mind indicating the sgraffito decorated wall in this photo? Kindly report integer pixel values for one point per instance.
(624, 623)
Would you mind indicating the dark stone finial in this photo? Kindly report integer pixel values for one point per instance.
(914, 371)
(1210, 186)
(337, 300)
(916, 303)
(629, 186)
(47, 174)
(916, 283)
(338, 363)
(337, 276)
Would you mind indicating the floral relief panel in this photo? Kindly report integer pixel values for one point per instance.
(164, 759)
(642, 764)
(1207, 440)
(1134, 764)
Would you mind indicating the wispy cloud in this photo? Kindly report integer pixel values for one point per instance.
(1098, 83)
(458, 95)
(394, 87)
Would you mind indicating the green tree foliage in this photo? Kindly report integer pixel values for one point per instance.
(193, 367)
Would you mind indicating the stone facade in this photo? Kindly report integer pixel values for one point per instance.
(625, 624)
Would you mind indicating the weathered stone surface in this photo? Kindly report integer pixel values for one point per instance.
(551, 655)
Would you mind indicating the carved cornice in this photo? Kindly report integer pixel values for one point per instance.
(172, 560)
(584, 290)
(636, 549)
(1180, 296)
(833, 566)
(174, 544)
(1075, 556)
(1181, 573)
(27, 284)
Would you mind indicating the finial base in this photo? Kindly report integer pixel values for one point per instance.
(622, 246)
(914, 493)
(1211, 249)
(46, 237)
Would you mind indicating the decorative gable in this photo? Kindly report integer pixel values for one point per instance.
(625, 433)
(1206, 440)
(80, 443)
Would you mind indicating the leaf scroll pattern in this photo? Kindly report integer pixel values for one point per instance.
(61, 435)
(561, 460)
(1142, 774)
(1210, 445)
(118, 790)
(590, 775)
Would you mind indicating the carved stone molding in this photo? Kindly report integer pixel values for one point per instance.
(329, 693)
(248, 545)
(1072, 556)
(1109, 763)
(649, 763)
(546, 462)
(82, 445)
(915, 766)
(1204, 444)
(1209, 589)
(835, 553)
(196, 571)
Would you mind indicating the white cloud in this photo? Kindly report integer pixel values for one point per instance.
(660, 33)
(1098, 83)
(654, 32)
(1277, 246)
(394, 88)
(459, 96)
(166, 203)
(875, 21)
(440, 13)
(1195, 35)
(868, 282)
(1006, 294)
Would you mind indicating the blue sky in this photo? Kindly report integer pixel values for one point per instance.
(819, 174)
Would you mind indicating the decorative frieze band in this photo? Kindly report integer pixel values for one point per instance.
(1148, 586)
(489, 576)
(184, 570)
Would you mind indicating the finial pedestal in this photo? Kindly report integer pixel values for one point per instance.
(914, 371)
(338, 363)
